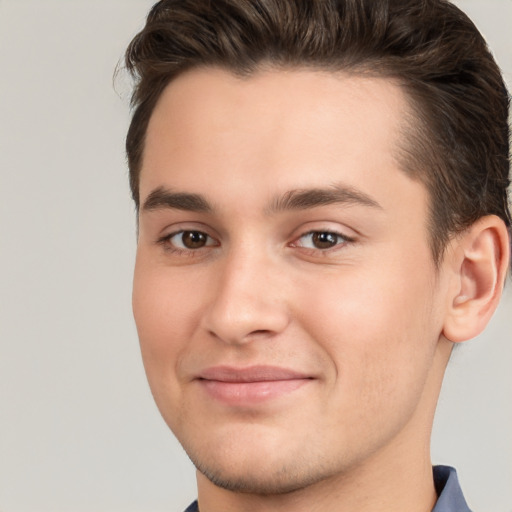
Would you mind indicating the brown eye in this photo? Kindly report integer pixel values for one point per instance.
(193, 239)
(324, 240)
(188, 240)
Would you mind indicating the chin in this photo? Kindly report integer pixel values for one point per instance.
(261, 475)
(275, 483)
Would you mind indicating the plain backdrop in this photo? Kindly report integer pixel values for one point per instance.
(78, 427)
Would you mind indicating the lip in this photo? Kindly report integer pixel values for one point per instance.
(250, 385)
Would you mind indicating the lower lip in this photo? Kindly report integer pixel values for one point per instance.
(247, 393)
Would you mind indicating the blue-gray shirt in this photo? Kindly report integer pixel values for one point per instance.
(447, 487)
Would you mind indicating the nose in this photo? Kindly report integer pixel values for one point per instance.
(247, 301)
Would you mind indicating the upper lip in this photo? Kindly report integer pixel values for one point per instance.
(258, 373)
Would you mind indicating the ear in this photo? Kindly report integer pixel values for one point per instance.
(479, 263)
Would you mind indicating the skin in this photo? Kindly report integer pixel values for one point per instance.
(339, 288)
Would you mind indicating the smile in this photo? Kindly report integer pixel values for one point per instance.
(253, 385)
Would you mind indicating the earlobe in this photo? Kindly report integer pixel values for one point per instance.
(480, 267)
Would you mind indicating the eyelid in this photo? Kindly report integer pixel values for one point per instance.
(174, 228)
(182, 231)
(345, 240)
(165, 240)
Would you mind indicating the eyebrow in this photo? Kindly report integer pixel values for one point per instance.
(161, 198)
(298, 199)
(303, 199)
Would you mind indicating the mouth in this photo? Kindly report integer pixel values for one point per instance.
(251, 385)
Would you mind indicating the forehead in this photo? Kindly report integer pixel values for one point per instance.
(281, 128)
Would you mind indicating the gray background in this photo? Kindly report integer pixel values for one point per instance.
(78, 428)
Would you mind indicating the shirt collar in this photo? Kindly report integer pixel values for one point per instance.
(448, 489)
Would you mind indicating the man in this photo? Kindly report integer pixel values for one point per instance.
(322, 199)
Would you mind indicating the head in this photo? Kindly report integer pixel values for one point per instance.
(322, 196)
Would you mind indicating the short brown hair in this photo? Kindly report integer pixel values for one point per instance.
(459, 142)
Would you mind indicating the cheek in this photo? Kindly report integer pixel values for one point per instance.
(164, 315)
(375, 325)
(372, 306)
(164, 303)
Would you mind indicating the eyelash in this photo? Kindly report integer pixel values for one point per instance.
(166, 241)
(341, 241)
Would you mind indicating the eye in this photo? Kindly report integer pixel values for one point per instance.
(321, 240)
(189, 240)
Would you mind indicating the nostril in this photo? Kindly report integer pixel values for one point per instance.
(260, 332)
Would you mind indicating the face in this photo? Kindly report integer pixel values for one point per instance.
(285, 296)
